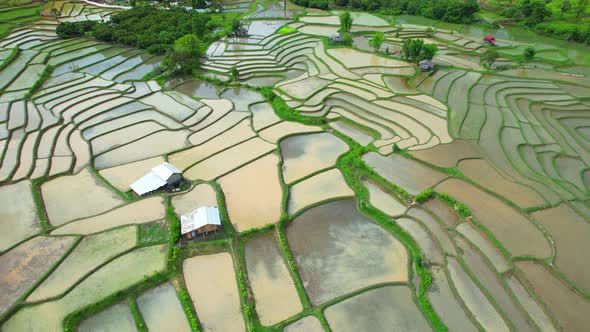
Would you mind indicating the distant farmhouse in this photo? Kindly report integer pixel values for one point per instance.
(336, 38)
(162, 177)
(426, 65)
(201, 221)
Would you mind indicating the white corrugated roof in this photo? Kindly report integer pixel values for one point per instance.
(155, 179)
(205, 215)
(165, 171)
(147, 183)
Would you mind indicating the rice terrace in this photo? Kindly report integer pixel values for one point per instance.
(302, 165)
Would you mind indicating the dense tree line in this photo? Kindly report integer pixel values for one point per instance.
(454, 11)
(151, 29)
(535, 14)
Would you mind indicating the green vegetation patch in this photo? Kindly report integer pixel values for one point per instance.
(286, 30)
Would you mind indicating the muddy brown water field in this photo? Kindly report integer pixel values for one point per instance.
(365, 195)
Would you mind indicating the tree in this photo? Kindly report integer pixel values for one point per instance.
(414, 50)
(428, 51)
(345, 21)
(411, 49)
(377, 41)
(235, 26)
(184, 57)
(565, 6)
(581, 8)
(489, 57)
(529, 53)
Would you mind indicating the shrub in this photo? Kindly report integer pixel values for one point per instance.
(424, 196)
(462, 210)
(529, 53)
(345, 21)
(414, 50)
(377, 41)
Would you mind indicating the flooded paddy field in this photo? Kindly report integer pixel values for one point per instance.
(325, 246)
(355, 192)
(271, 281)
(162, 310)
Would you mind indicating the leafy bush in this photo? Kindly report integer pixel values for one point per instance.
(462, 210)
(377, 40)
(75, 29)
(424, 196)
(529, 53)
(345, 21)
(414, 50)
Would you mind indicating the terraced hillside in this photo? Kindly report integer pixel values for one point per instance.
(355, 192)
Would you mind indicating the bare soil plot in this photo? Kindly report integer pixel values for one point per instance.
(517, 233)
(71, 197)
(570, 233)
(88, 255)
(388, 308)
(253, 193)
(568, 307)
(139, 212)
(320, 187)
(274, 292)
(333, 259)
(24, 265)
(406, 173)
(200, 195)
(211, 282)
(18, 214)
(162, 311)
(119, 274)
(305, 154)
(115, 318)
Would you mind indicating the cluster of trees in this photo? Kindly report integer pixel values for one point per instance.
(531, 12)
(454, 11)
(180, 34)
(321, 4)
(415, 50)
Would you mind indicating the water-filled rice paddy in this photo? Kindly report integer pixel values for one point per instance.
(326, 246)
(77, 196)
(161, 309)
(306, 154)
(218, 303)
(378, 309)
(253, 193)
(24, 266)
(115, 318)
(271, 281)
